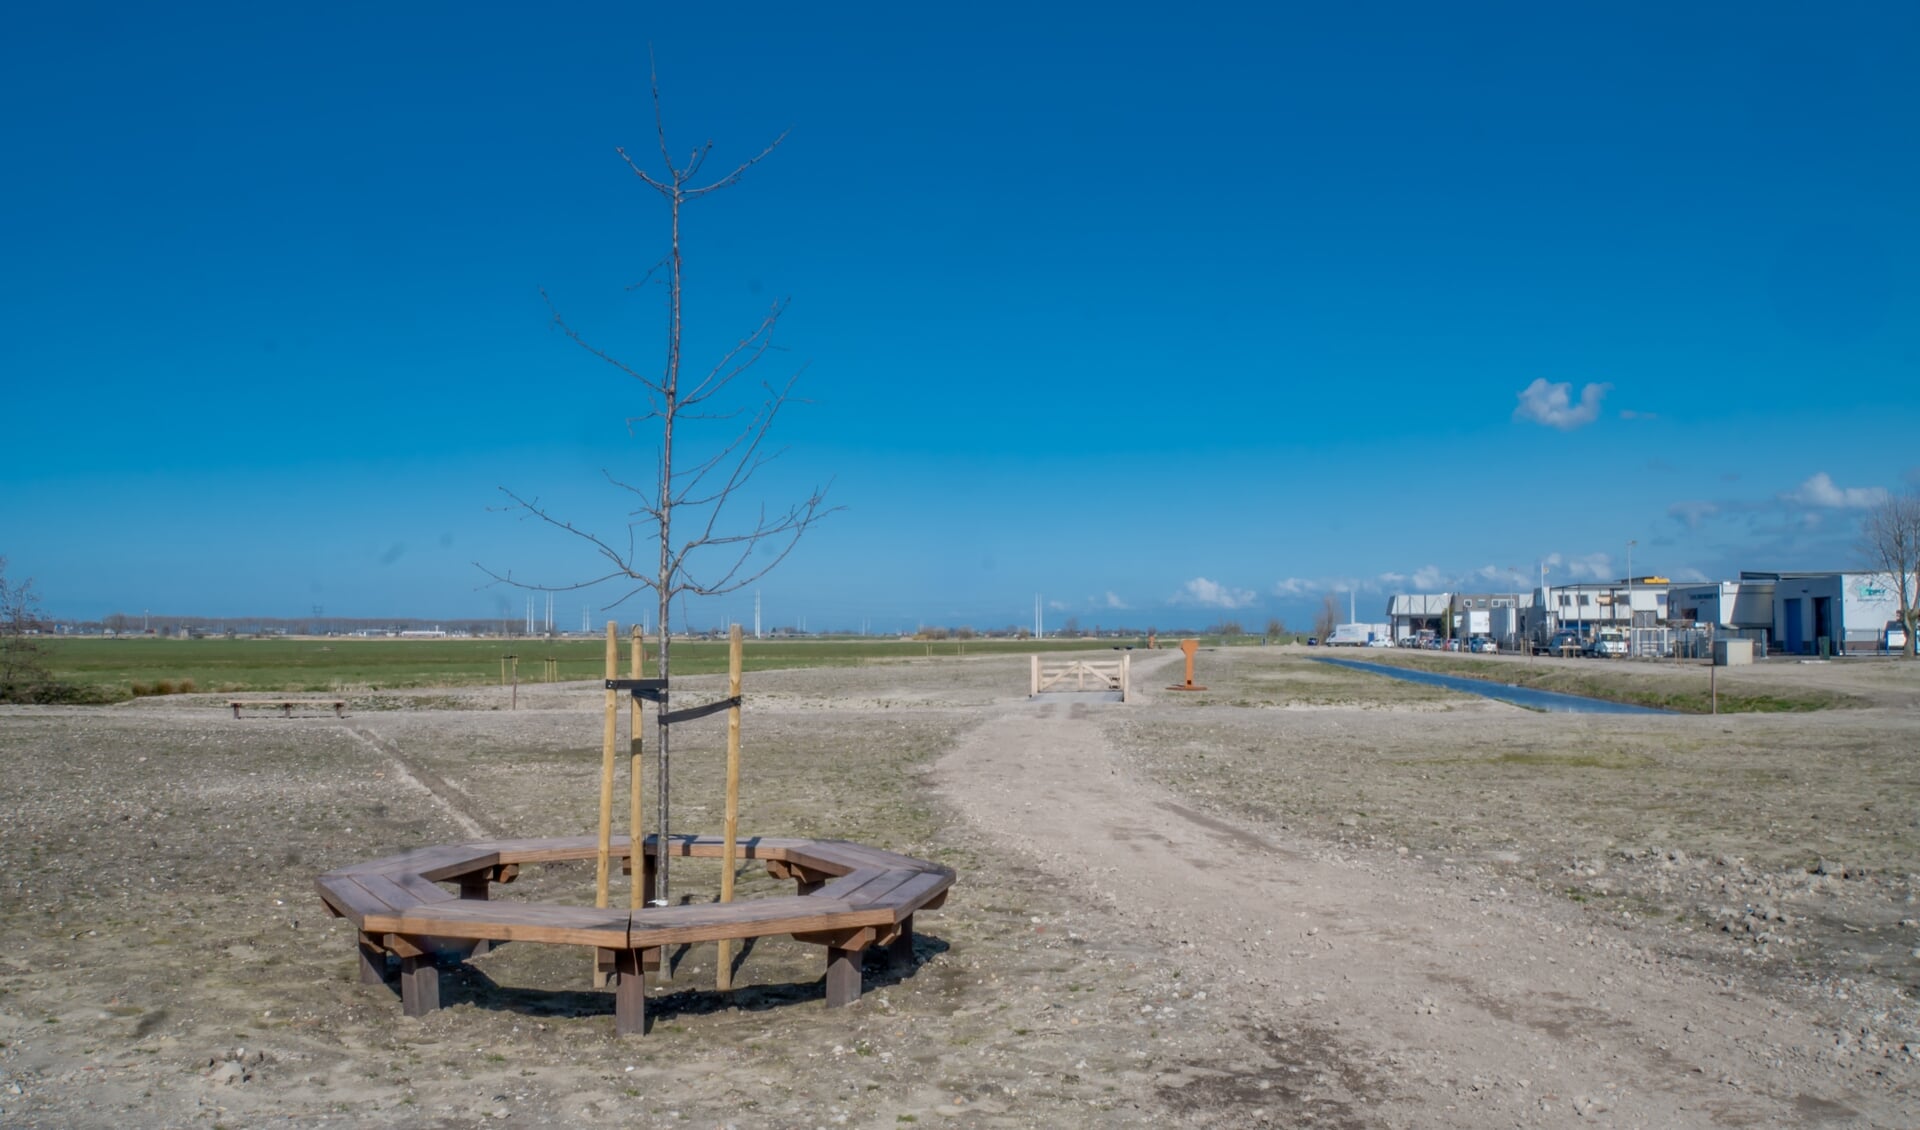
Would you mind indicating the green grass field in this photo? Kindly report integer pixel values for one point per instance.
(123, 667)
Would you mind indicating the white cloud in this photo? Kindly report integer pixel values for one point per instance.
(1821, 491)
(1693, 512)
(1427, 578)
(1587, 566)
(1294, 586)
(1112, 600)
(1207, 594)
(1544, 402)
(1688, 575)
(1057, 606)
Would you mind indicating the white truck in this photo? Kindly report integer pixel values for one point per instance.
(1608, 643)
(1360, 635)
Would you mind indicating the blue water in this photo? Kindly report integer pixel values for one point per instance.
(1551, 701)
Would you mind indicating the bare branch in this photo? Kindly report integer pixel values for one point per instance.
(596, 351)
(755, 345)
(730, 178)
(648, 277)
(659, 121)
(664, 189)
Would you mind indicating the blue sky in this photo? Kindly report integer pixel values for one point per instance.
(1166, 314)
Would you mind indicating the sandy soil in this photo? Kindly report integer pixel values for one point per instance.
(1303, 898)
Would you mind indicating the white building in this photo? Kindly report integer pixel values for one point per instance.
(1412, 613)
(1469, 614)
(1729, 605)
(1638, 602)
(1829, 613)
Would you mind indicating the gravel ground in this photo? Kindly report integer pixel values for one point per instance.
(163, 960)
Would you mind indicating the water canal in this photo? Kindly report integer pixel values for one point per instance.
(1550, 701)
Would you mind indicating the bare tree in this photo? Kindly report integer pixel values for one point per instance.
(1276, 627)
(1890, 541)
(683, 534)
(1326, 618)
(23, 657)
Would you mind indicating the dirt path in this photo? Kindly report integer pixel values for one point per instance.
(1449, 1005)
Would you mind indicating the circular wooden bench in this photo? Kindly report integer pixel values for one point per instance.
(851, 897)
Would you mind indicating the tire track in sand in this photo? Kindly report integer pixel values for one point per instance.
(1471, 1009)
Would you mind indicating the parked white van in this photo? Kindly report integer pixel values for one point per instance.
(1608, 643)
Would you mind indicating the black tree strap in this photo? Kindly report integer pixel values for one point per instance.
(653, 690)
(692, 712)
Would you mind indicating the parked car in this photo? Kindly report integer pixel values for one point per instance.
(1566, 643)
(1481, 645)
(1608, 643)
(1313, 641)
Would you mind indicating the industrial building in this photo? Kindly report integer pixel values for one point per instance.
(1829, 613)
(1791, 613)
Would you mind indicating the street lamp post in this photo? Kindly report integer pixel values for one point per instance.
(1630, 544)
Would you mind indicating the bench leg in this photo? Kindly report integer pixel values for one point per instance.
(843, 976)
(419, 985)
(474, 889)
(900, 949)
(629, 994)
(373, 962)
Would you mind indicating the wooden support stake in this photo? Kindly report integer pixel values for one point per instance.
(1034, 683)
(735, 648)
(607, 734)
(636, 890)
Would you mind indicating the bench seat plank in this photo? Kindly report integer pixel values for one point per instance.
(841, 855)
(518, 922)
(432, 862)
(354, 902)
(877, 891)
(919, 890)
(750, 918)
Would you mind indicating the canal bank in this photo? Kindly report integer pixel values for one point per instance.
(1553, 702)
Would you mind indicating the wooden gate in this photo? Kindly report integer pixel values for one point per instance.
(1084, 675)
